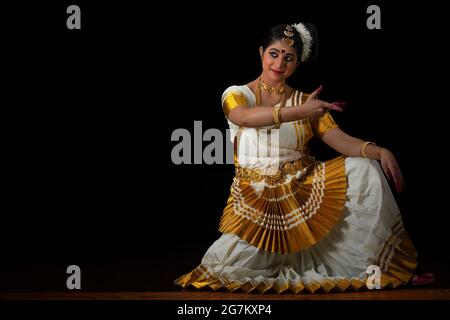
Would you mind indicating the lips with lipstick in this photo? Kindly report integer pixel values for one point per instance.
(277, 71)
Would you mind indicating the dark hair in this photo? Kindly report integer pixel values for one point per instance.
(276, 33)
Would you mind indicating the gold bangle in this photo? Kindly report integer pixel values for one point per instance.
(279, 115)
(364, 146)
(275, 115)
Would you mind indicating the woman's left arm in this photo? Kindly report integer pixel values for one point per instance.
(351, 146)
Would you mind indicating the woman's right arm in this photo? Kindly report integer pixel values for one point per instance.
(261, 116)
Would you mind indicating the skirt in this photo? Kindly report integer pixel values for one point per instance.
(367, 247)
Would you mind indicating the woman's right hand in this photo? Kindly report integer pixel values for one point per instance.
(315, 108)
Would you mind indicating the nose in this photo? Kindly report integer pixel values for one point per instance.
(279, 63)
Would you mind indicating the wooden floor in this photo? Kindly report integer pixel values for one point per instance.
(399, 294)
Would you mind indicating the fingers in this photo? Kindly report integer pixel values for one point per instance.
(392, 171)
(336, 105)
(340, 104)
(399, 184)
(316, 93)
(333, 106)
(386, 170)
(398, 178)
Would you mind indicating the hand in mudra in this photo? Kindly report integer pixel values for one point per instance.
(314, 107)
(391, 169)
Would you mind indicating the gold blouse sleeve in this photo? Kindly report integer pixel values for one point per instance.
(321, 125)
(231, 100)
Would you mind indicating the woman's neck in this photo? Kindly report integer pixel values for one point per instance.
(276, 84)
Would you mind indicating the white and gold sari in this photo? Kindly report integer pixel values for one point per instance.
(295, 223)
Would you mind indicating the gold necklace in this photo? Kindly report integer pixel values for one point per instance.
(258, 98)
(282, 102)
(270, 89)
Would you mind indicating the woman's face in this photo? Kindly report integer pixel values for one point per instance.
(279, 61)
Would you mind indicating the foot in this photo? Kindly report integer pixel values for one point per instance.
(422, 279)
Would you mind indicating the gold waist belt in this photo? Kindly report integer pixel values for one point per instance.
(276, 174)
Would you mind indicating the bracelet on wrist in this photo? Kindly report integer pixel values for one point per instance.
(364, 146)
(276, 115)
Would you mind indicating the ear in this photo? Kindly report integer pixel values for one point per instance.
(261, 51)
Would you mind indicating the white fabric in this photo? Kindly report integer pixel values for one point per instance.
(251, 101)
(346, 252)
(263, 147)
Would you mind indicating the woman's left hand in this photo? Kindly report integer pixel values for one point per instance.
(391, 168)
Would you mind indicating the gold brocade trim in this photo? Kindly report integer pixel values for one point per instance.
(275, 175)
(294, 93)
(301, 128)
(288, 217)
(399, 272)
(323, 124)
(304, 97)
(395, 276)
(231, 100)
(398, 257)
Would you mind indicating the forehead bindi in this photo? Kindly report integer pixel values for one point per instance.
(280, 48)
(282, 51)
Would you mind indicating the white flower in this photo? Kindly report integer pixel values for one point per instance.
(306, 38)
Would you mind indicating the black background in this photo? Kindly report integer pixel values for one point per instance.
(87, 174)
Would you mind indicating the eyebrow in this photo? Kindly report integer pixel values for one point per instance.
(287, 53)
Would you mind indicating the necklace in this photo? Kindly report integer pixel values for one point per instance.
(270, 89)
(282, 100)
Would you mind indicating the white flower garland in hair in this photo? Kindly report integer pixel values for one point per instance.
(306, 38)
